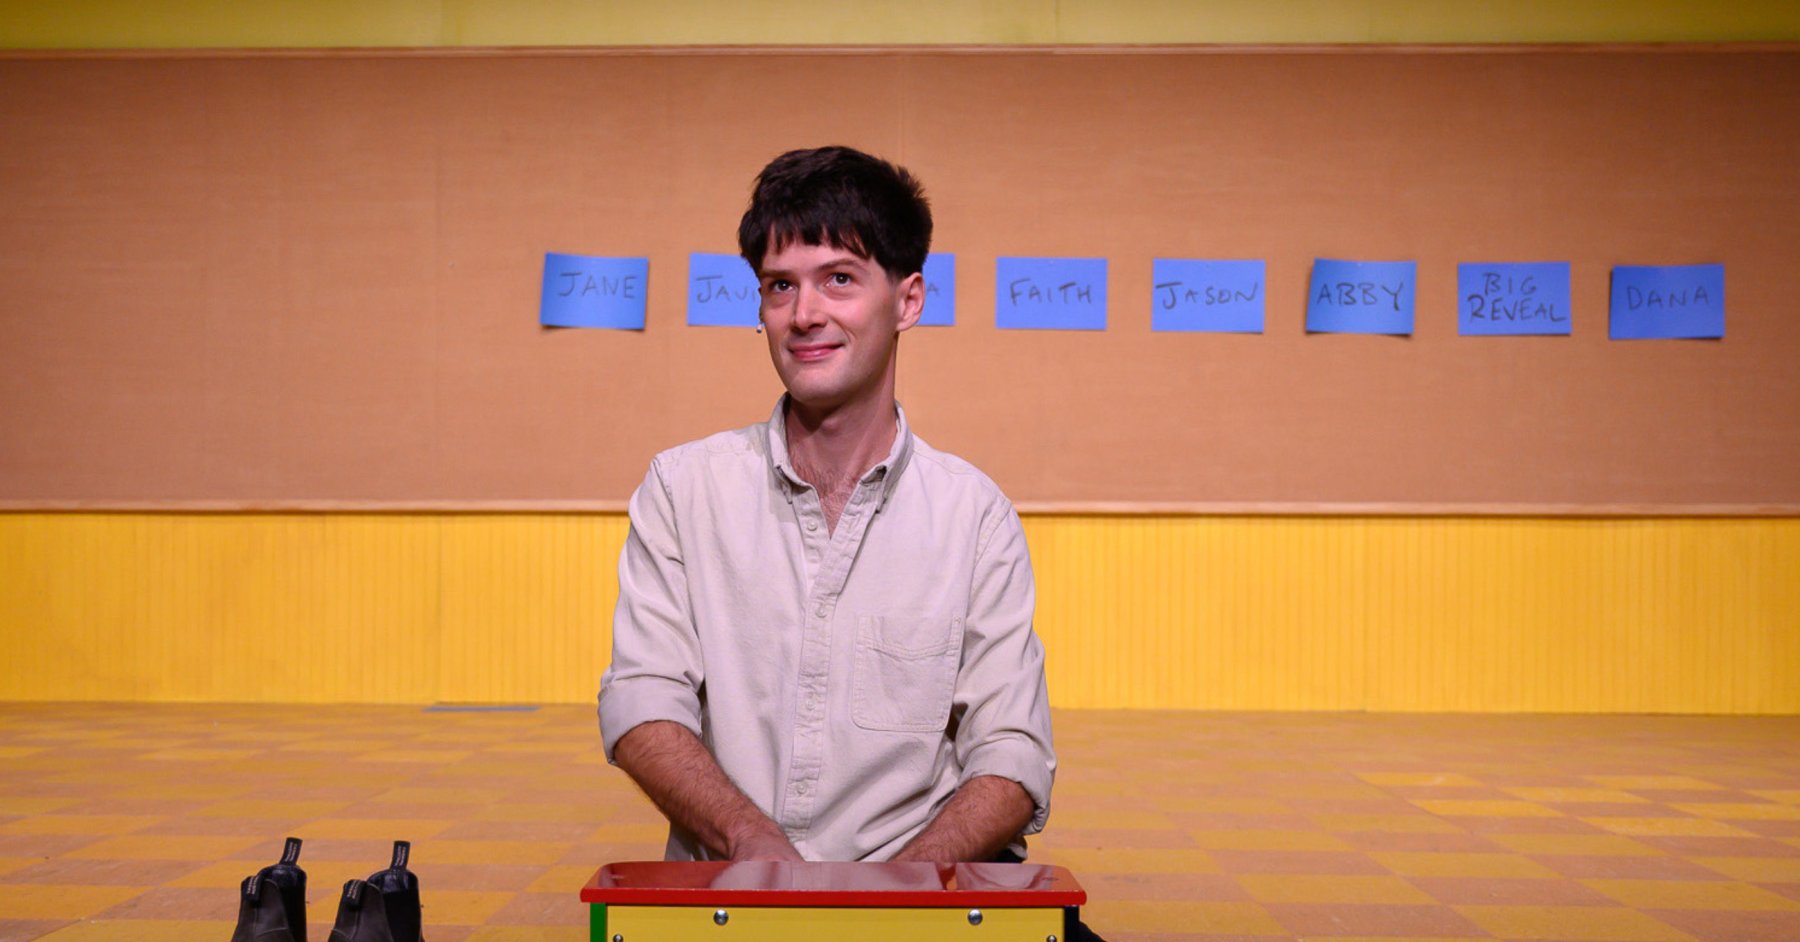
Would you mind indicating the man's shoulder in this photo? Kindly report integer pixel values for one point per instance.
(940, 470)
(745, 441)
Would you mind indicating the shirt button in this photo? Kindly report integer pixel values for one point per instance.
(800, 788)
(812, 525)
(820, 611)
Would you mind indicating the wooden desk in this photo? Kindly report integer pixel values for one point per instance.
(654, 901)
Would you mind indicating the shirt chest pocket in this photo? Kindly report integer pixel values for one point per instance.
(905, 674)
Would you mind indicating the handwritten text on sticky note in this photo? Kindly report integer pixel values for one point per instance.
(1207, 295)
(585, 291)
(1512, 298)
(1050, 293)
(1659, 301)
(722, 291)
(1361, 297)
(940, 290)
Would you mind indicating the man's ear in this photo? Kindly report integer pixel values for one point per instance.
(912, 300)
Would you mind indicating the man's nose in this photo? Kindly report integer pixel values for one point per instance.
(809, 309)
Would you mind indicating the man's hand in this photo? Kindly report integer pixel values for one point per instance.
(687, 785)
(984, 815)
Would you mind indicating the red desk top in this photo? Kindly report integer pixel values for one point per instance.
(771, 883)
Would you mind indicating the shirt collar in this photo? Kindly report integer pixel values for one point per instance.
(887, 470)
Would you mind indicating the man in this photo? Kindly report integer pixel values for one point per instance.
(823, 645)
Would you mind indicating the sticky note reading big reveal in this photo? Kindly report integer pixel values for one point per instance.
(1512, 298)
(722, 291)
(1198, 294)
(1667, 301)
(584, 291)
(1361, 297)
(940, 290)
(1050, 293)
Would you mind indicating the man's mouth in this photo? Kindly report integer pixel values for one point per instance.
(812, 352)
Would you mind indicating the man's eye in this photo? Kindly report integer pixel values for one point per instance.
(839, 279)
(778, 285)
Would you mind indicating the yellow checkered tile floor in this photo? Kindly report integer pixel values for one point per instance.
(136, 822)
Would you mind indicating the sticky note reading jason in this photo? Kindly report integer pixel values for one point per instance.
(1667, 301)
(1512, 298)
(940, 290)
(1050, 293)
(721, 291)
(1207, 295)
(585, 291)
(1361, 297)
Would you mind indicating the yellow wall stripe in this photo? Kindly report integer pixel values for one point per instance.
(1380, 613)
(162, 24)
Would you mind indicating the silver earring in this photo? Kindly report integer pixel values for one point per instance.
(759, 327)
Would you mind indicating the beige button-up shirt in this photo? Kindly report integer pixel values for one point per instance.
(847, 681)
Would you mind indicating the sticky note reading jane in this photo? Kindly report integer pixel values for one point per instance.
(1207, 295)
(1050, 293)
(1361, 297)
(1667, 301)
(722, 291)
(940, 290)
(584, 291)
(1512, 299)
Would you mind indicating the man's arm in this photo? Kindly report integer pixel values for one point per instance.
(984, 815)
(680, 776)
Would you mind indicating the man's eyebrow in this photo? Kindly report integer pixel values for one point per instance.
(846, 259)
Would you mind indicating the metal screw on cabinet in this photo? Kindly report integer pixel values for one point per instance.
(974, 917)
(1049, 938)
(721, 917)
(618, 937)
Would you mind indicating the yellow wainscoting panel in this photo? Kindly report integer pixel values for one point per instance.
(1169, 612)
(151, 24)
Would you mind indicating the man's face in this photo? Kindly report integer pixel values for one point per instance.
(833, 321)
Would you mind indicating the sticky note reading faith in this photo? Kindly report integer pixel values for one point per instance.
(1668, 301)
(940, 290)
(722, 291)
(1512, 298)
(1361, 297)
(1050, 293)
(583, 291)
(1207, 295)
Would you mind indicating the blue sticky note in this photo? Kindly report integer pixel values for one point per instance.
(1660, 301)
(722, 291)
(1361, 297)
(940, 290)
(584, 291)
(1512, 298)
(1207, 295)
(1050, 293)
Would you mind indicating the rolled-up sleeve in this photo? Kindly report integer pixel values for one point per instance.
(1000, 690)
(656, 669)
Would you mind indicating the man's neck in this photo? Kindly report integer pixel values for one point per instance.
(832, 450)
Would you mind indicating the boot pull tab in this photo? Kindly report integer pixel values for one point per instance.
(402, 850)
(252, 886)
(291, 853)
(353, 893)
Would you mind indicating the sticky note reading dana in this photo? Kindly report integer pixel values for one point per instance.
(1050, 293)
(1667, 301)
(1361, 297)
(1512, 298)
(940, 290)
(1207, 295)
(585, 291)
(722, 291)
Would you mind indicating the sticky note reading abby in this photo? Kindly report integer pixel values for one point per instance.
(585, 291)
(1667, 301)
(1361, 297)
(940, 290)
(722, 291)
(1207, 295)
(1512, 299)
(1050, 293)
